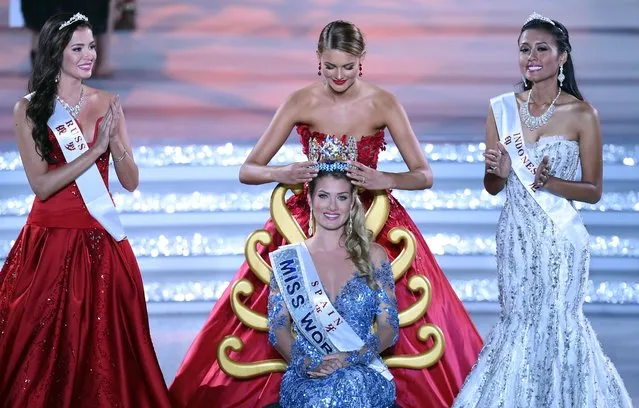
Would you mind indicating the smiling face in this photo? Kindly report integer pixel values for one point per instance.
(340, 69)
(539, 57)
(79, 55)
(331, 201)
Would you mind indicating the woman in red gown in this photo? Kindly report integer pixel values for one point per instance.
(74, 329)
(342, 104)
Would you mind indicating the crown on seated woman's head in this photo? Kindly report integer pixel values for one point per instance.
(73, 19)
(332, 154)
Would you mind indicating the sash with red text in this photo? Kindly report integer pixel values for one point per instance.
(90, 183)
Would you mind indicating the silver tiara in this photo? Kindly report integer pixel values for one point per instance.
(76, 17)
(537, 16)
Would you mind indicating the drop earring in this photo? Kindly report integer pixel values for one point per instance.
(319, 69)
(360, 69)
(311, 223)
(561, 77)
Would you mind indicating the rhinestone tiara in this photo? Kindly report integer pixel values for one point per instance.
(332, 153)
(537, 16)
(76, 17)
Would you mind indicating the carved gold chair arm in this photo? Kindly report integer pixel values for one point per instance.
(289, 228)
(244, 370)
(246, 315)
(405, 259)
(416, 311)
(259, 267)
(423, 360)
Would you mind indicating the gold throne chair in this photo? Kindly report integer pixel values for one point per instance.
(286, 224)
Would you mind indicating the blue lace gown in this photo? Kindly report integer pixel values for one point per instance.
(356, 385)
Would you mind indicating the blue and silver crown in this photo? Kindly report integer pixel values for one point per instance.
(332, 153)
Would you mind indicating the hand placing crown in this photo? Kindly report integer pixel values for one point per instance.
(332, 153)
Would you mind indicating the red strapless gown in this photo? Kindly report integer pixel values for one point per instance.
(201, 383)
(74, 329)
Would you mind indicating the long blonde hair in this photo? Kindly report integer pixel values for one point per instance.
(357, 240)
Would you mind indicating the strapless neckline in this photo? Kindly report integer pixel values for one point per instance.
(551, 139)
(305, 129)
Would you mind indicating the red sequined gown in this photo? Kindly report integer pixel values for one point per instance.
(201, 383)
(74, 330)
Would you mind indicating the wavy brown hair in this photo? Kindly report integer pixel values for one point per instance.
(46, 68)
(358, 242)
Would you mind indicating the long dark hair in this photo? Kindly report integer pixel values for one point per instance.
(43, 80)
(358, 242)
(343, 36)
(560, 34)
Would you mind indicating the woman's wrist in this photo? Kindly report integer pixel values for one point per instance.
(392, 180)
(272, 173)
(353, 357)
(116, 148)
(118, 159)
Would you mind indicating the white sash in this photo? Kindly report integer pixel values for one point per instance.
(90, 183)
(316, 319)
(558, 209)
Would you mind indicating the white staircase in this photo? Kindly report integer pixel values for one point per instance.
(189, 218)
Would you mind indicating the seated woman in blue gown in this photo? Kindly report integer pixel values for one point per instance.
(336, 290)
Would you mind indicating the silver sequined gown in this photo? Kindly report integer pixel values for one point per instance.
(543, 351)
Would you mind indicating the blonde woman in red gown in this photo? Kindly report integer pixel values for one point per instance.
(74, 330)
(341, 104)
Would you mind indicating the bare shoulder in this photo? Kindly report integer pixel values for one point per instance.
(22, 123)
(98, 97)
(20, 109)
(584, 110)
(378, 254)
(381, 97)
(98, 93)
(303, 98)
(583, 114)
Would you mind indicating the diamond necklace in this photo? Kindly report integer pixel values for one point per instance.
(534, 122)
(75, 109)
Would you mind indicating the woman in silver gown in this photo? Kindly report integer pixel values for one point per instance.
(543, 351)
